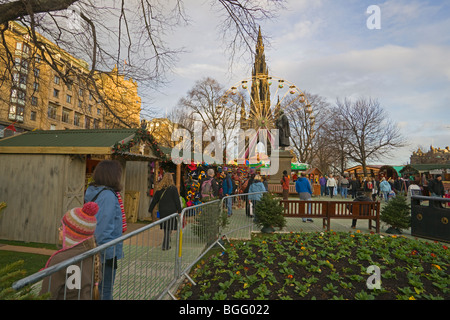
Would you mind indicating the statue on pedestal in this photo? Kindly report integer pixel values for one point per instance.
(284, 131)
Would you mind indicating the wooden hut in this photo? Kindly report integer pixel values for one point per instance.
(357, 171)
(45, 173)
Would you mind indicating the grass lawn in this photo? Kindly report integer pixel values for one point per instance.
(322, 266)
(32, 262)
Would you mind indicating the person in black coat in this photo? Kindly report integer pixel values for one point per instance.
(168, 200)
(360, 196)
(354, 186)
(436, 187)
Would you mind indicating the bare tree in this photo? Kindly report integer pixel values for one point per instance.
(370, 134)
(305, 123)
(128, 34)
(204, 102)
(336, 135)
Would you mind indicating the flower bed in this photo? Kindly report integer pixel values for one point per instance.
(325, 265)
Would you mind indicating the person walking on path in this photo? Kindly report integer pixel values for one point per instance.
(303, 188)
(285, 185)
(344, 187)
(76, 234)
(323, 186)
(104, 190)
(385, 188)
(209, 188)
(257, 186)
(168, 201)
(227, 187)
(331, 185)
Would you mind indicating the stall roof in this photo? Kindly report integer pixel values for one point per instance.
(97, 141)
(431, 166)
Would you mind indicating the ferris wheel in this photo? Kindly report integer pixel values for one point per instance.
(261, 98)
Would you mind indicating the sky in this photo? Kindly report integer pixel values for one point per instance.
(325, 47)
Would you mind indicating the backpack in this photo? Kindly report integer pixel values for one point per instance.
(207, 189)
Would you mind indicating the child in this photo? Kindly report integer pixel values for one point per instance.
(77, 236)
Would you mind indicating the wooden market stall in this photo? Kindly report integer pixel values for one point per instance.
(45, 173)
(357, 171)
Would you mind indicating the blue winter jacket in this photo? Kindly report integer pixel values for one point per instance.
(227, 185)
(256, 186)
(109, 219)
(385, 186)
(303, 185)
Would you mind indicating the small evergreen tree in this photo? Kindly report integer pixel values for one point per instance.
(8, 275)
(269, 213)
(397, 213)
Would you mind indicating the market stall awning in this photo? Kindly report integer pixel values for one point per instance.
(126, 142)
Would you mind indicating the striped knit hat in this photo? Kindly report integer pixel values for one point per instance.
(79, 224)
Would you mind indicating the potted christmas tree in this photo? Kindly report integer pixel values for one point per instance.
(269, 213)
(397, 214)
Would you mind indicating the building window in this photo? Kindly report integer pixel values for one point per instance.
(99, 111)
(77, 119)
(51, 111)
(26, 48)
(69, 86)
(87, 123)
(34, 101)
(14, 95)
(36, 72)
(68, 98)
(25, 65)
(56, 80)
(33, 116)
(36, 86)
(21, 97)
(56, 93)
(65, 115)
(16, 113)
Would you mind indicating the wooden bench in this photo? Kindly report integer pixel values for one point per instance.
(327, 210)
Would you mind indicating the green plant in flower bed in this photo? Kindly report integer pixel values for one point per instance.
(322, 266)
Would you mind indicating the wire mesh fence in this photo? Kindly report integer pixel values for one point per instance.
(155, 256)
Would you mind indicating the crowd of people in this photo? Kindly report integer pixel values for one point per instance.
(102, 217)
(372, 187)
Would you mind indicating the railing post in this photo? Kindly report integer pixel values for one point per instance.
(179, 244)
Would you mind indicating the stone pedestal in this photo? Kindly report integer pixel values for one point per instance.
(284, 163)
